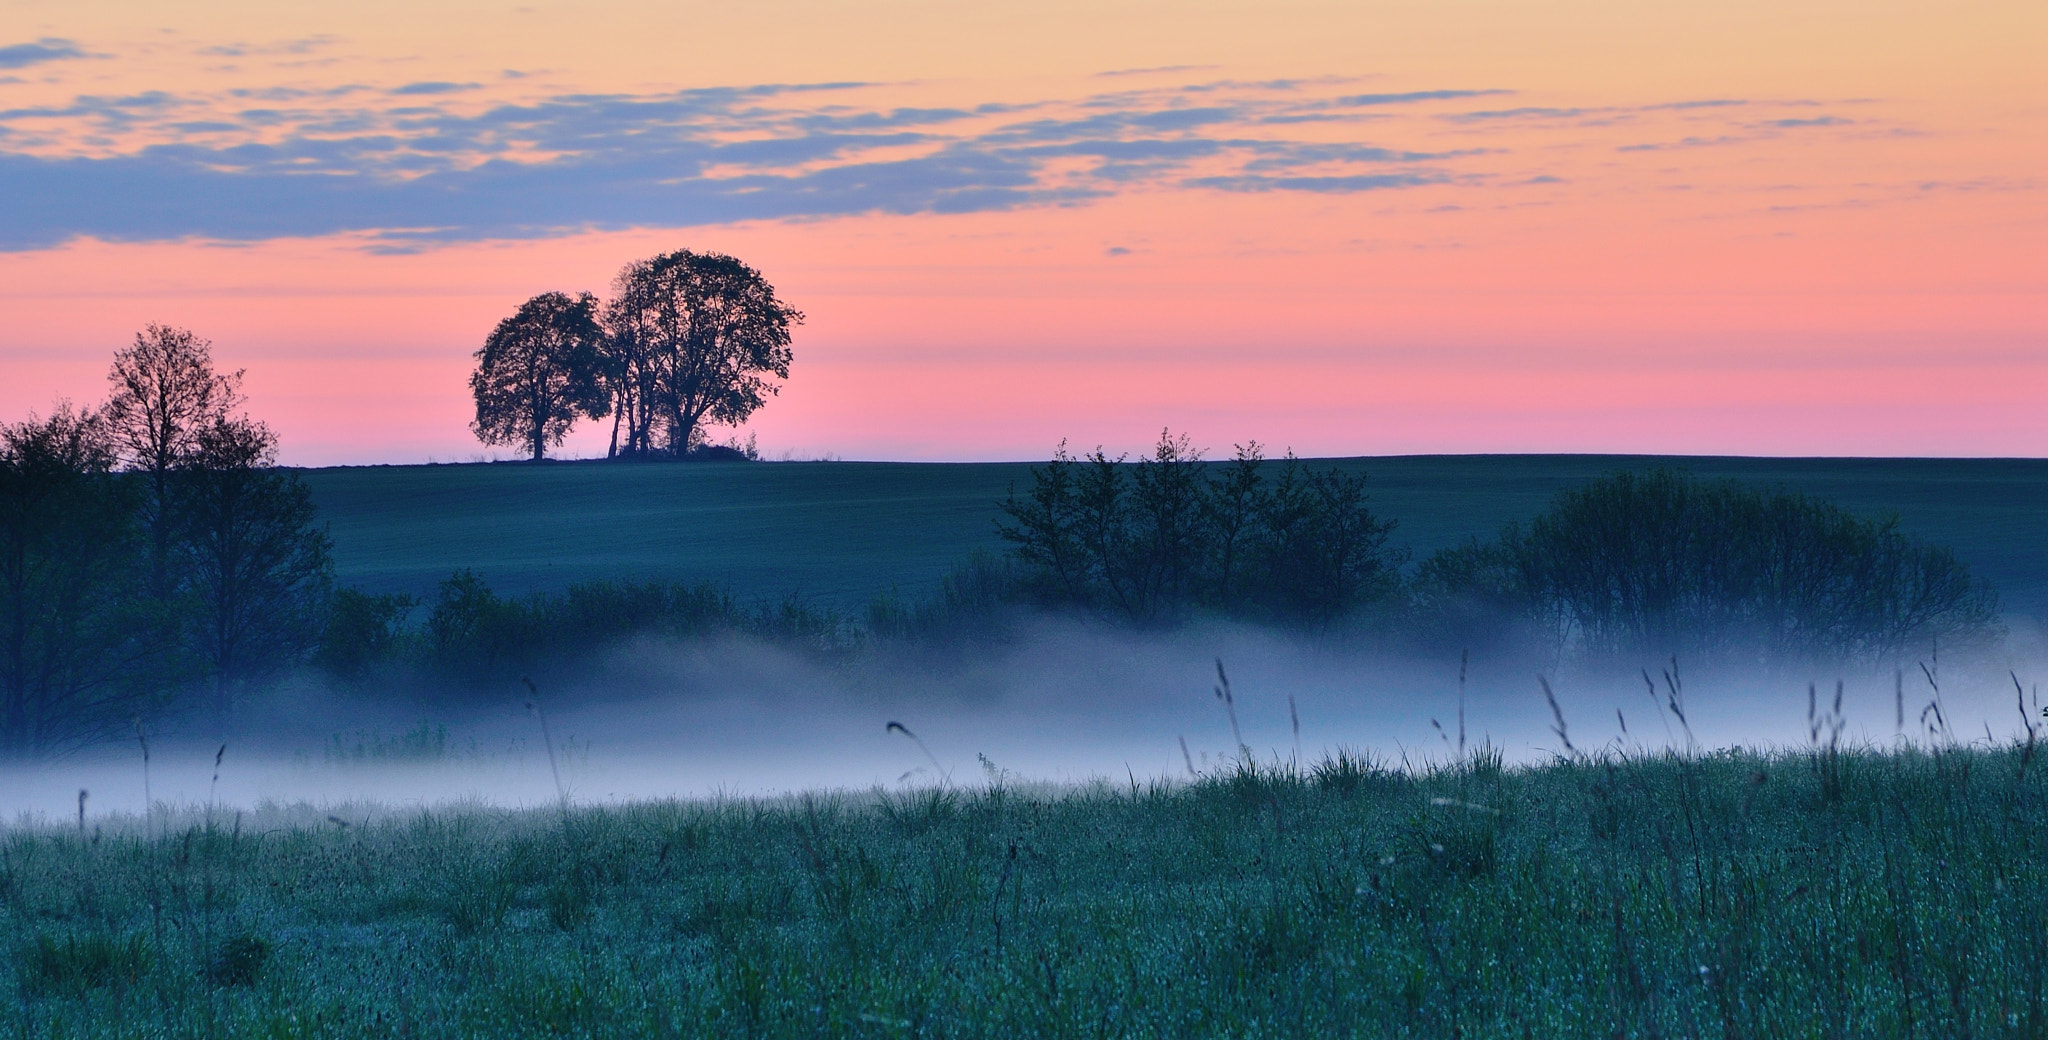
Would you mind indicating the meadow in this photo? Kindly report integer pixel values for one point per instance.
(836, 534)
(1817, 892)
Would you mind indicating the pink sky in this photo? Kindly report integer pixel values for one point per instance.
(1350, 229)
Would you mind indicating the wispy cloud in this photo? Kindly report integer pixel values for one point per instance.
(433, 87)
(1787, 124)
(433, 161)
(49, 48)
(1414, 96)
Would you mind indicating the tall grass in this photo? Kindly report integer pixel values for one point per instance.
(1870, 892)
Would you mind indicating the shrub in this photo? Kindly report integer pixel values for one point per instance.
(1661, 562)
(361, 630)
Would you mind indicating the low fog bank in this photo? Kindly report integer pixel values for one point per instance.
(1058, 701)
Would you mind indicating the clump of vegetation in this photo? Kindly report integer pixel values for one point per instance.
(1661, 562)
(1170, 534)
(1872, 893)
(238, 961)
(75, 964)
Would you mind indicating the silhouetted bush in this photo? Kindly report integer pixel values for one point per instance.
(473, 632)
(1171, 534)
(972, 602)
(362, 630)
(1661, 562)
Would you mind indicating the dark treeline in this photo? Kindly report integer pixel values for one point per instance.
(154, 562)
(687, 339)
(469, 635)
(153, 558)
(1652, 563)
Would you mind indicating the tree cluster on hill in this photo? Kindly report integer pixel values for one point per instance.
(688, 339)
(148, 549)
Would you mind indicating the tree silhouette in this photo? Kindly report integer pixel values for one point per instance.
(538, 371)
(693, 339)
(260, 571)
(71, 656)
(164, 393)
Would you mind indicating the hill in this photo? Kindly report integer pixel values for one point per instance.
(836, 533)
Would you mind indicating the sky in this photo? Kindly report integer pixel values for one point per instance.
(1346, 228)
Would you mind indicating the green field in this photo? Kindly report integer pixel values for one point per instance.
(1805, 894)
(837, 533)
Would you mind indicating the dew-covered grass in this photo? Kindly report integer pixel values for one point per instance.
(1864, 893)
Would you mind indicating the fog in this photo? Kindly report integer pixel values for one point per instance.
(1055, 702)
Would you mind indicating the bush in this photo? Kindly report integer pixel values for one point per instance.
(361, 630)
(1661, 562)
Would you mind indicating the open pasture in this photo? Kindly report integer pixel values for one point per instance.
(837, 533)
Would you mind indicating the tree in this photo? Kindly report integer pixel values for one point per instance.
(260, 571)
(72, 663)
(164, 393)
(538, 371)
(693, 339)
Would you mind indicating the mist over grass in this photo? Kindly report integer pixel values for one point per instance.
(1057, 698)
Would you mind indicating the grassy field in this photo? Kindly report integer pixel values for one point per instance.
(838, 533)
(1813, 894)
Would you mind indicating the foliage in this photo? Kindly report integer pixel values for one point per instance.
(259, 572)
(538, 371)
(1156, 539)
(360, 630)
(147, 546)
(73, 625)
(692, 338)
(1661, 562)
(165, 393)
(474, 633)
(1660, 894)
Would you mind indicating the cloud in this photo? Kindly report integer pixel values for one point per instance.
(1817, 121)
(1681, 105)
(1333, 185)
(1517, 113)
(49, 48)
(1413, 96)
(433, 87)
(427, 170)
(1689, 142)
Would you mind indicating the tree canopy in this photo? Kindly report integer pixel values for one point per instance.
(538, 371)
(687, 340)
(693, 338)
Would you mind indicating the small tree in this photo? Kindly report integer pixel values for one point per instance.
(261, 572)
(538, 371)
(165, 392)
(692, 339)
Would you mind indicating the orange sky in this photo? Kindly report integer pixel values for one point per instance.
(1349, 228)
